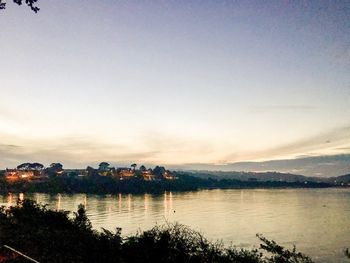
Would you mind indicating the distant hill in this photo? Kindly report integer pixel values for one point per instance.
(253, 176)
(314, 166)
(341, 179)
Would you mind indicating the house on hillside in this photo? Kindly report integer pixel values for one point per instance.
(148, 175)
(161, 173)
(13, 174)
(169, 175)
(125, 172)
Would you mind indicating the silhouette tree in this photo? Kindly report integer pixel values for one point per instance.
(30, 166)
(81, 220)
(30, 3)
(92, 172)
(133, 166)
(36, 166)
(347, 253)
(56, 166)
(54, 169)
(159, 171)
(104, 166)
(142, 168)
(24, 166)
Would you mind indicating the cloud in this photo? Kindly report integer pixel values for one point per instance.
(323, 166)
(321, 144)
(269, 108)
(9, 146)
(347, 149)
(78, 150)
(8, 113)
(172, 143)
(82, 150)
(5, 112)
(318, 144)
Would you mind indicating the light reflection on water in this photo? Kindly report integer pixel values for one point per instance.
(316, 220)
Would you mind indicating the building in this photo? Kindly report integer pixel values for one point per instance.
(15, 174)
(125, 172)
(169, 175)
(148, 175)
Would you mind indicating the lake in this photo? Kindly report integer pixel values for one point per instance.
(317, 221)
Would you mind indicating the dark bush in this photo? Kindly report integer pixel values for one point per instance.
(54, 236)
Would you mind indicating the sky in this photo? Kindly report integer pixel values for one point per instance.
(174, 82)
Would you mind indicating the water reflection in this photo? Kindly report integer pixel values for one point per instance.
(58, 206)
(316, 220)
(129, 202)
(85, 202)
(146, 199)
(168, 203)
(9, 200)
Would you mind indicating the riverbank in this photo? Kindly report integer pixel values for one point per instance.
(110, 185)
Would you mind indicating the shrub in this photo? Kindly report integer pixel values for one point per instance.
(53, 236)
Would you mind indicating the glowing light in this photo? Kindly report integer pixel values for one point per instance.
(9, 200)
(129, 203)
(59, 202)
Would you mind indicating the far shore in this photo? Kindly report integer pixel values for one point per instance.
(106, 185)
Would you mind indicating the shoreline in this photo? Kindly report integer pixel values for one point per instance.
(172, 191)
(109, 185)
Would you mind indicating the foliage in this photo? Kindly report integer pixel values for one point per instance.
(50, 236)
(347, 253)
(54, 169)
(280, 254)
(30, 3)
(54, 236)
(103, 166)
(96, 184)
(30, 166)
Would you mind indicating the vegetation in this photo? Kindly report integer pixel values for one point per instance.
(30, 166)
(34, 177)
(347, 253)
(30, 3)
(53, 236)
(109, 185)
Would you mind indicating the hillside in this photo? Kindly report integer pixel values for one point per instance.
(256, 176)
(341, 179)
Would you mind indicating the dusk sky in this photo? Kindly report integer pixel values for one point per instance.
(174, 82)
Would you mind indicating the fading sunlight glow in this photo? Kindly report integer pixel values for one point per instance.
(173, 83)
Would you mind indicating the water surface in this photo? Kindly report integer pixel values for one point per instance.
(317, 221)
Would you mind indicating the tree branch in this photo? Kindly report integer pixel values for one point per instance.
(30, 3)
